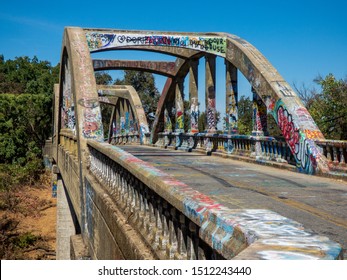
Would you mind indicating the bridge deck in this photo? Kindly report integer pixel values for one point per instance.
(320, 204)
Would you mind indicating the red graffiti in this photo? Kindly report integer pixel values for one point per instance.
(290, 133)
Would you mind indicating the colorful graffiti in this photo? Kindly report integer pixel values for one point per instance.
(167, 122)
(259, 114)
(90, 125)
(211, 109)
(68, 107)
(143, 130)
(210, 44)
(317, 134)
(179, 112)
(54, 189)
(194, 116)
(301, 147)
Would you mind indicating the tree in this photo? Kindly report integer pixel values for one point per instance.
(25, 75)
(103, 78)
(328, 107)
(26, 87)
(245, 111)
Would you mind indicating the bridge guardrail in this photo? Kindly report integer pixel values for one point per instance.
(262, 148)
(336, 153)
(179, 222)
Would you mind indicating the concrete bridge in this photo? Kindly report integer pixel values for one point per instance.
(162, 193)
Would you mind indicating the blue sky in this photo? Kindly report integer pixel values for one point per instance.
(302, 39)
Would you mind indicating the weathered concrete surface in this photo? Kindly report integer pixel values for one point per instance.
(65, 223)
(110, 236)
(78, 249)
(317, 203)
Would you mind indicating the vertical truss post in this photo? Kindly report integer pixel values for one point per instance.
(231, 99)
(259, 116)
(193, 96)
(179, 104)
(210, 90)
(111, 125)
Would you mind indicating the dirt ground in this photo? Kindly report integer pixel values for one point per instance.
(28, 224)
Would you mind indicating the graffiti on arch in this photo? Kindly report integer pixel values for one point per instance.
(103, 40)
(302, 147)
(68, 119)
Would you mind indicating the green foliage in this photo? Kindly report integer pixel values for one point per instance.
(245, 111)
(329, 108)
(25, 75)
(26, 87)
(26, 240)
(25, 124)
(103, 78)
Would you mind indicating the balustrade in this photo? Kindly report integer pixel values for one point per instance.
(336, 153)
(259, 147)
(164, 226)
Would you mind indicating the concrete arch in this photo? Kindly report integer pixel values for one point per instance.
(113, 94)
(77, 82)
(281, 101)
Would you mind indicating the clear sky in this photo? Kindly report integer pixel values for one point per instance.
(302, 39)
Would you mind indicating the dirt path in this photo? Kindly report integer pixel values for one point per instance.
(28, 224)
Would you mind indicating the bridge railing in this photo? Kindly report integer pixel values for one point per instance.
(259, 147)
(336, 153)
(128, 138)
(178, 222)
(142, 193)
(67, 156)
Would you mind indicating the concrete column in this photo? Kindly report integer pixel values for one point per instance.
(132, 119)
(65, 223)
(167, 122)
(122, 117)
(193, 96)
(179, 106)
(259, 116)
(111, 125)
(117, 118)
(210, 89)
(231, 99)
(126, 116)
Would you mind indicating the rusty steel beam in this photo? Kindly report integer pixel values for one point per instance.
(165, 68)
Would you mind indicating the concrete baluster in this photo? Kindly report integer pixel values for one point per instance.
(163, 240)
(329, 155)
(336, 160)
(171, 246)
(342, 157)
(150, 226)
(192, 241)
(181, 238)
